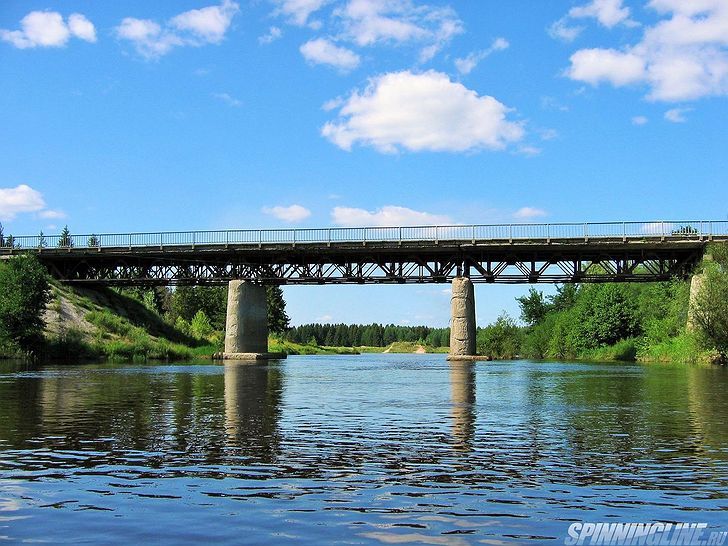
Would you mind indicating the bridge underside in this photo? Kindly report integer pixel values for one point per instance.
(377, 264)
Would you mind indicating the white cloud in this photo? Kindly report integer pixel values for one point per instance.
(528, 213)
(19, 200)
(297, 12)
(597, 65)
(48, 29)
(548, 134)
(228, 99)
(639, 120)
(609, 13)
(291, 214)
(677, 115)
(684, 56)
(389, 215)
(196, 27)
(421, 112)
(49, 214)
(562, 30)
(322, 51)
(466, 65)
(273, 34)
(530, 151)
(369, 22)
(81, 27)
(209, 24)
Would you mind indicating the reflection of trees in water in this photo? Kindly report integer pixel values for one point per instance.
(622, 424)
(462, 389)
(178, 414)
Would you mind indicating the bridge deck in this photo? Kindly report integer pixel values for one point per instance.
(514, 253)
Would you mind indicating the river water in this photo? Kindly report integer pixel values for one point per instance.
(370, 449)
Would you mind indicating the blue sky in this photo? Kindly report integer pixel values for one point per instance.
(136, 116)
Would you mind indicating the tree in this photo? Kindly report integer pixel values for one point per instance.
(93, 241)
(25, 292)
(710, 304)
(565, 297)
(533, 307)
(42, 243)
(278, 321)
(501, 340)
(604, 315)
(65, 240)
(201, 327)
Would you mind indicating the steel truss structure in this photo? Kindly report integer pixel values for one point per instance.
(649, 259)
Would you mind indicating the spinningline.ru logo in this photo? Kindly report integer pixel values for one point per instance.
(653, 534)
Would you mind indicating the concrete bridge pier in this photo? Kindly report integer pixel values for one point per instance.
(462, 320)
(246, 324)
(697, 282)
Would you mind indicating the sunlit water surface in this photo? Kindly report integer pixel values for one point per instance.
(370, 449)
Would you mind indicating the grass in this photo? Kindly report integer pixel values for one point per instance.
(684, 348)
(276, 345)
(622, 351)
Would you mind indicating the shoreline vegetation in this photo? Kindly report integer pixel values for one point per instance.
(43, 319)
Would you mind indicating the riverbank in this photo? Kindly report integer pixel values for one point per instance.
(101, 323)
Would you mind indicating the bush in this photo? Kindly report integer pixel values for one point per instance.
(25, 293)
(201, 327)
(500, 340)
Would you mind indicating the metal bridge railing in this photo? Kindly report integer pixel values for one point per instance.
(694, 230)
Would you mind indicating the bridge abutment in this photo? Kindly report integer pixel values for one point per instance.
(246, 324)
(696, 284)
(462, 319)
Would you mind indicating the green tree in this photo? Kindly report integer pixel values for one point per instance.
(565, 297)
(25, 292)
(606, 314)
(42, 243)
(93, 242)
(201, 327)
(710, 305)
(533, 307)
(278, 321)
(65, 240)
(500, 340)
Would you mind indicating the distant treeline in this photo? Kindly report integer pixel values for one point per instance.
(370, 335)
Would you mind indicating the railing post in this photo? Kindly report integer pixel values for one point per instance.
(662, 228)
(130, 241)
(510, 233)
(473, 234)
(328, 237)
(400, 235)
(437, 235)
(161, 241)
(701, 230)
(624, 232)
(548, 233)
(364, 237)
(586, 233)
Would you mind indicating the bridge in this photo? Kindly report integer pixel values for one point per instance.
(247, 260)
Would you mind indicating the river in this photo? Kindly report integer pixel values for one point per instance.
(370, 449)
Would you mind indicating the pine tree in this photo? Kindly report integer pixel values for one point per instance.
(278, 321)
(65, 240)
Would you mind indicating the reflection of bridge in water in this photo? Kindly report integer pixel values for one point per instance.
(462, 254)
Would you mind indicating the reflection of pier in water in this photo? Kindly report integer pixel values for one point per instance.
(253, 394)
(462, 389)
